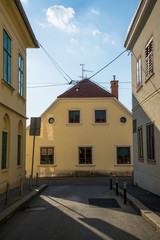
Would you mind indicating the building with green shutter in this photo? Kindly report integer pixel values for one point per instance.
(16, 36)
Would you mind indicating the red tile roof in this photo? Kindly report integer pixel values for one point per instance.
(85, 89)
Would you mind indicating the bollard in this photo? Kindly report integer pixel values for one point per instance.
(37, 179)
(125, 191)
(30, 182)
(117, 186)
(110, 180)
(7, 192)
(21, 187)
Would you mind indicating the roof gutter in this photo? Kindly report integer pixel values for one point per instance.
(25, 19)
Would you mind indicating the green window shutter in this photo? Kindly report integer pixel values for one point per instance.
(5, 40)
(5, 64)
(6, 57)
(19, 151)
(9, 70)
(4, 150)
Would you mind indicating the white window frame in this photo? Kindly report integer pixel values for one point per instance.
(139, 72)
(20, 75)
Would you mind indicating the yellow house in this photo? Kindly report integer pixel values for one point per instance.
(143, 40)
(15, 36)
(86, 131)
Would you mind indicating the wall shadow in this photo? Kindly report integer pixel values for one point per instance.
(108, 229)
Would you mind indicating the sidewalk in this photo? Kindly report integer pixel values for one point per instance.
(151, 200)
(14, 195)
(16, 202)
(147, 203)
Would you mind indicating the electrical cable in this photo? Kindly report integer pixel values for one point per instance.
(109, 82)
(63, 73)
(107, 64)
(52, 85)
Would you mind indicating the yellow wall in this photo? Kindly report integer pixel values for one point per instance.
(66, 138)
(12, 105)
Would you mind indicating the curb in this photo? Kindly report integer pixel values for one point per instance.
(145, 212)
(8, 212)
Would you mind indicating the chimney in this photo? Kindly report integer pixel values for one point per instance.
(114, 87)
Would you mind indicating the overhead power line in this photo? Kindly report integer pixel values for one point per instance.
(62, 72)
(110, 82)
(51, 85)
(107, 64)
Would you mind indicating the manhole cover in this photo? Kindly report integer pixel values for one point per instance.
(33, 209)
(103, 202)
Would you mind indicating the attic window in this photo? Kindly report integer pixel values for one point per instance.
(77, 88)
(123, 120)
(74, 116)
(51, 120)
(100, 116)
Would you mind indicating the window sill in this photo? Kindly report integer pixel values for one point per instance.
(141, 160)
(74, 124)
(102, 124)
(123, 165)
(4, 170)
(47, 165)
(152, 162)
(139, 88)
(149, 77)
(85, 165)
(21, 97)
(4, 83)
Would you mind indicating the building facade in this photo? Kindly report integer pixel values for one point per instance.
(15, 36)
(86, 131)
(143, 40)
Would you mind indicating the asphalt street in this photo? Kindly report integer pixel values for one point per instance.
(86, 212)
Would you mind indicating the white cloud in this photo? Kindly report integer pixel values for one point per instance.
(97, 47)
(74, 41)
(41, 24)
(24, 1)
(108, 39)
(70, 51)
(96, 12)
(96, 32)
(61, 17)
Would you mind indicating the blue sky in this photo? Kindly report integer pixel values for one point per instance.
(75, 32)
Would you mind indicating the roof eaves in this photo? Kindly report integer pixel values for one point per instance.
(132, 23)
(144, 6)
(25, 19)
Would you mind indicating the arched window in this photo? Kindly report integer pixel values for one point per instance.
(19, 143)
(5, 140)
